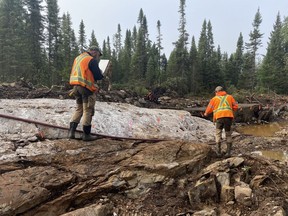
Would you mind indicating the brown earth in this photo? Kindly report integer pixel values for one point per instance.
(126, 177)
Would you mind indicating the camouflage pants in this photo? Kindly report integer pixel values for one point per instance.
(224, 123)
(85, 100)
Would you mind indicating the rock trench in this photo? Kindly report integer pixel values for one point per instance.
(182, 176)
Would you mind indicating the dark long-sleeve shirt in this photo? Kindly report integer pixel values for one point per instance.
(94, 67)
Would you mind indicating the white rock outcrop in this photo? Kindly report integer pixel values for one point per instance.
(113, 119)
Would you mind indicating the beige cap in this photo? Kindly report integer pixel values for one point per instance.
(218, 88)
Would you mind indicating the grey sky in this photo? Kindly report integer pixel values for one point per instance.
(228, 18)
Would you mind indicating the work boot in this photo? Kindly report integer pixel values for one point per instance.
(87, 134)
(72, 129)
(218, 149)
(228, 153)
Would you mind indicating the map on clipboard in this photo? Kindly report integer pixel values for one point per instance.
(104, 65)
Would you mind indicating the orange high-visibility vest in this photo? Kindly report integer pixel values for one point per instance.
(81, 74)
(222, 106)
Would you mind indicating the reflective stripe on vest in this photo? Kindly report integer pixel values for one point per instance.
(76, 75)
(224, 105)
(77, 67)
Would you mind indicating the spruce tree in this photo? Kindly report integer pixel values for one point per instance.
(53, 42)
(69, 45)
(202, 57)
(35, 26)
(226, 68)
(152, 67)
(213, 74)
(178, 64)
(194, 79)
(125, 58)
(117, 41)
(108, 53)
(159, 48)
(14, 61)
(134, 39)
(163, 69)
(245, 78)
(140, 58)
(252, 46)
(116, 55)
(82, 37)
(93, 41)
(284, 32)
(238, 61)
(272, 75)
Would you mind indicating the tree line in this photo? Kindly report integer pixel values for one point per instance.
(40, 45)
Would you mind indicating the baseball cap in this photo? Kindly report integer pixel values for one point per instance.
(94, 48)
(218, 88)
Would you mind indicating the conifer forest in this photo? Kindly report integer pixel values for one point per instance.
(39, 44)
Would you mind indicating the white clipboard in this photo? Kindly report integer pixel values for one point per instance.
(104, 65)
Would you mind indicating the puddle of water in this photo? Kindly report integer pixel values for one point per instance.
(263, 130)
(276, 155)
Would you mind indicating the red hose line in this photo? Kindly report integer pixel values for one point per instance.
(65, 128)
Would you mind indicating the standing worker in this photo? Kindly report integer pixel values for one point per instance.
(222, 105)
(85, 72)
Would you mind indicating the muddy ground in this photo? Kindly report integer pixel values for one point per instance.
(173, 191)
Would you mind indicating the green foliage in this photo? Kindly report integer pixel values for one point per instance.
(231, 89)
(93, 41)
(137, 89)
(13, 41)
(68, 47)
(117, 38)
(249, 75)
(82, 37)
(53, 43)
(272, 75)
(152, 69)
(140, 90)
(239, 95)
(176, 84)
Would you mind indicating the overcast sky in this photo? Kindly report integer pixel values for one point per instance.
(228, 18)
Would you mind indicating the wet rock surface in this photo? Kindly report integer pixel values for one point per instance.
(109, 176)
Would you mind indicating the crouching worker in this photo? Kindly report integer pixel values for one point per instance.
(85, 72)
(223, 106)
